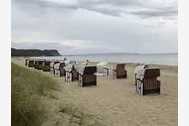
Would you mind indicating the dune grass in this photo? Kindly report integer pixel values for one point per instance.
(32, 102)
(28, 88)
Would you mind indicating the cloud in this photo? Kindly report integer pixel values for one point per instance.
(82, 26)
(149, 8)
(139, 8)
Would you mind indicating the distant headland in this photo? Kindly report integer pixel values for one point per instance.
(34, 52)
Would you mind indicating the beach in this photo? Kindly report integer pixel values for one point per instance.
(116, 102)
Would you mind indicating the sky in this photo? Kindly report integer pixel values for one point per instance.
(95, 26)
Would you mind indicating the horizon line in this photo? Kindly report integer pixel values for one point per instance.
(120, 53)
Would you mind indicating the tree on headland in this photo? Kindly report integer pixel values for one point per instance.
(33, 52)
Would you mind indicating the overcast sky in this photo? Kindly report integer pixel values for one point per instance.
(95, 26)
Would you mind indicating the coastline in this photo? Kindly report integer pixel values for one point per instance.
(113, 63)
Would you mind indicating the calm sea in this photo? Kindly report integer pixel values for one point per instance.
(162, 59)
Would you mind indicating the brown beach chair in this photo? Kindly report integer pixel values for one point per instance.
(149, 84)
(62, 70)
(120, 71)
(39, 64)
(35, 64)
(74, 73)
(31, 63)
(46, 66)
(26, 62)
(88, 77)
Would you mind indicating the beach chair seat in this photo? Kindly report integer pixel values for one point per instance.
(120, 71)
(88, 76)
(149, 83)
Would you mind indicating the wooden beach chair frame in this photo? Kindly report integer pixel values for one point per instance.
(62, 70)
(149, 84)
(46, 66)
(31, 63)
(74, 75)
(88, 77)
(39, 64)
(120, 71)
(26, 62)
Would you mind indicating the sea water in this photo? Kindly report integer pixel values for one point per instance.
(161, 59)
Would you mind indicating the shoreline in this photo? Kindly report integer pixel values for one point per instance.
(113, 61)
(164, 68)
(128, 63)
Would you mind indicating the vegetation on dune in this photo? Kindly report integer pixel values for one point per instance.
(33, 52)
(33, 105)
(28, 88)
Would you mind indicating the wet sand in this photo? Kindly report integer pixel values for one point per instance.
(117, 101)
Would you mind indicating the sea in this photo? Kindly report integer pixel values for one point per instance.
(160, 59)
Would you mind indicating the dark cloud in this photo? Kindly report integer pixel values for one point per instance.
(133, 7)
(156, 13)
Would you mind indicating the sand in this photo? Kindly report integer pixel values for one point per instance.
(117, 102)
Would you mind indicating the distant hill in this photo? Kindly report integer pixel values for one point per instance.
(33, 52)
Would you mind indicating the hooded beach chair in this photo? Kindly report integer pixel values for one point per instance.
(148, 83)
(87, 76)
(71, 73)
(74, 73)
(62, 70)
(57, 68)
(120, 71)
(26, 62)
(31, 63)
(139, 69)
(46, 66)
(39, 64)
(52, 69)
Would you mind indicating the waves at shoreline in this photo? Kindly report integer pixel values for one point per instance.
(158, 59)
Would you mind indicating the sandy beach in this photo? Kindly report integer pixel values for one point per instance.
(116, 101)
